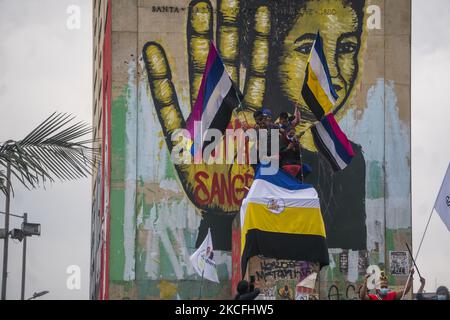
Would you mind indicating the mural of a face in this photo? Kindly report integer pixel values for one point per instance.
(339, 27)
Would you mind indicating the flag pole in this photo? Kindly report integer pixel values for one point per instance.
(431, 213)
(414, 261)
(417, 253)
(201, 284)
(425, 231)
(241, 107)
(404, 289)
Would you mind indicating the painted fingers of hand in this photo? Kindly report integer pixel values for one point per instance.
(162, 89)
(199, 34)
(227, 36)
(256, 75)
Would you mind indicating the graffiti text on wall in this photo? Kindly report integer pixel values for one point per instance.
(279, 269)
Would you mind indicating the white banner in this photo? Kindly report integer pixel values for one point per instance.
(442, 204)
(203, 260)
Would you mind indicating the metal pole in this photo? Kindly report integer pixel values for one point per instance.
(24, 259)
(424, 232)
(301, 159)
(5, 242)
(414, 261)
(201, 284)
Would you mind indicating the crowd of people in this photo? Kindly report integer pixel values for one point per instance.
(247, 291)
(289, 151)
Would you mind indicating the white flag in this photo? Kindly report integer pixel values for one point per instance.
(203, 261)
(442, 204)
(309, 281)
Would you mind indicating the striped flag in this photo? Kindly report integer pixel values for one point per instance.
(216, 100)
(281, 219)
(332, 143)
(318, 91)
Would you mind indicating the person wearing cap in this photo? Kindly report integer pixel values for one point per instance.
(441, 292)
(267, 113)
(384, 293)
(268, 122)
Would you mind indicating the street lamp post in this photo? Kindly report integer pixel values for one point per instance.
(5, 241)
(38, 294)
(27, 230)
(24, 258)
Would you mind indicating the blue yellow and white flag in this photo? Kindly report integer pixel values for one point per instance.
(281, 219)
(318, 91)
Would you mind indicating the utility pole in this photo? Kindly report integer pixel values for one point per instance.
(24, 258)
(5, 241)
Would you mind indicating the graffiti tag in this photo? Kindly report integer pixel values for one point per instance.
(223, 189)
(350, 293)
(277, 269)
(167, 9)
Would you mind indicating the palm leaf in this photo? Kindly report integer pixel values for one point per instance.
(2, 181)
(53, 150)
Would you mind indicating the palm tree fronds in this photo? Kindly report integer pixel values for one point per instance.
(54, 149)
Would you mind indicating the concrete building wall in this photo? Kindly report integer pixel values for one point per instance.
(101, 123)
(159, 211)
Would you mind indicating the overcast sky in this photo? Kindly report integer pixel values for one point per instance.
(45, 67)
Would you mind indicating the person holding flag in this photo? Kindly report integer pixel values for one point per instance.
(442, 207)
(441, 292)
(384, 293)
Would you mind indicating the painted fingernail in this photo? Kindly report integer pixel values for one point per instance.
(262, 20)
(156, 59)
(201, 14)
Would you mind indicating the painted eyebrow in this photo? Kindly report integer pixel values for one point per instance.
(306, 36)
(348, 35)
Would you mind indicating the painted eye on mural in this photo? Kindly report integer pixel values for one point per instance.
(304, 48)
(304, 43)
(347, 45)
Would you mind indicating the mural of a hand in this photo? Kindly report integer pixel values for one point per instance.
(217, 190)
